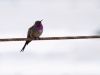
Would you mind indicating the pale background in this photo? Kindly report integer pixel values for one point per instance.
(60, 18)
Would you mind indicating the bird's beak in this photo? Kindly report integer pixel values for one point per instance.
(41, 20)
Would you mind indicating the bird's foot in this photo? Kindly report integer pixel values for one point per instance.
(36, 38)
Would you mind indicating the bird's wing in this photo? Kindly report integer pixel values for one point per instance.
(29, 32)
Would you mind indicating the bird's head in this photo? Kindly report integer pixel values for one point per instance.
(38, 22)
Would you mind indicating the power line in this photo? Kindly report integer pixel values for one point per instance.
(52, 38)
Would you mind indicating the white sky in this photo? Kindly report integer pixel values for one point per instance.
(61, 18)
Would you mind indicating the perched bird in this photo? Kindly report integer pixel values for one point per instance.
(34, 32)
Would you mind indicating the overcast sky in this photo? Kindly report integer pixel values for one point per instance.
(60, 18)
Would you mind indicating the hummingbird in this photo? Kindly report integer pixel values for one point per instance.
(34, 32)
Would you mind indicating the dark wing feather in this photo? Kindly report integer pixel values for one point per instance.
(27, 42)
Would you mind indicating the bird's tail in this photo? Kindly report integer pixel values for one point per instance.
(26, 43)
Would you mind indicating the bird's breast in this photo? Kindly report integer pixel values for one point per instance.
(36, 33)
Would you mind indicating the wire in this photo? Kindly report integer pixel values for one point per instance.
(51, 38)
